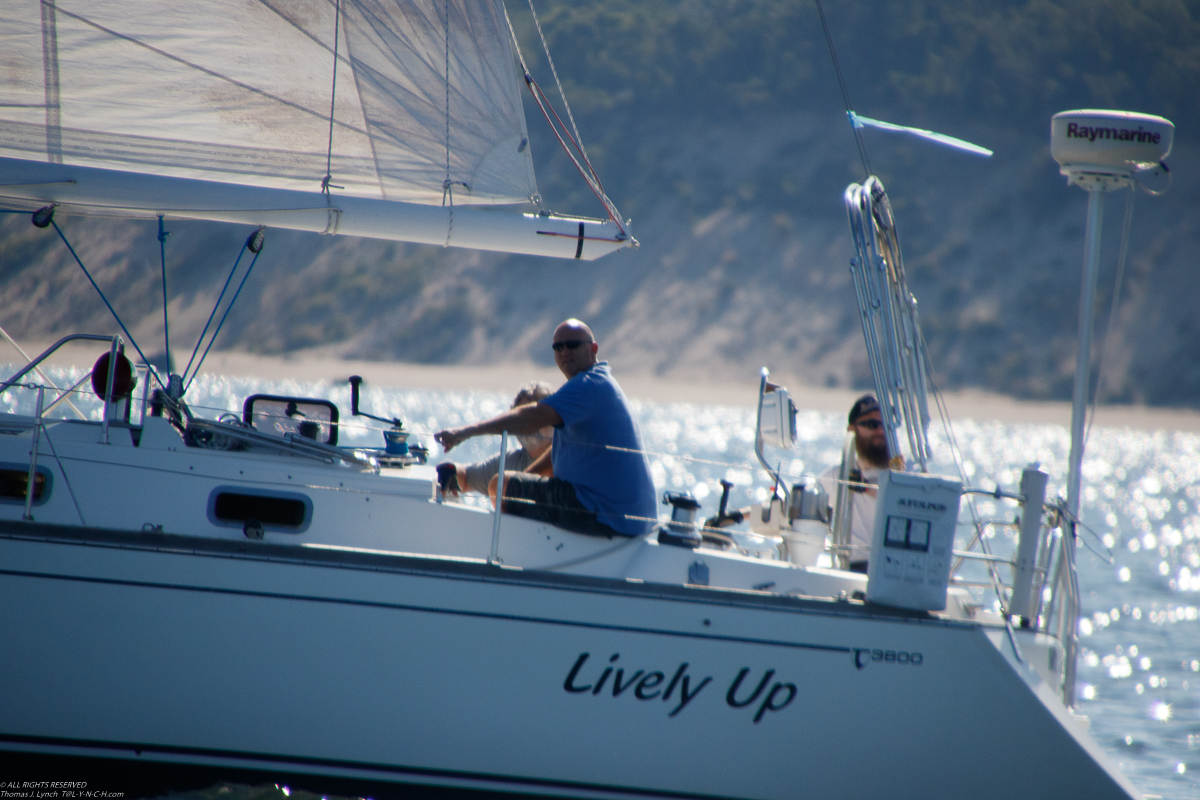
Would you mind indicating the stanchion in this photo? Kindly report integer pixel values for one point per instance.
(493, 558)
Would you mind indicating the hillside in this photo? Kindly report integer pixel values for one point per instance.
(719, 129)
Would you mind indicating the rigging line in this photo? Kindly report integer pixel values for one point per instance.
(578, 145)
(1112, 314)
(213, 314)
(112, 310)
(199, 68)
(162, 251)
(38, 371)
(837, 68)
(542, 101)
(65, 396)
(957, 456)
(566, 106)
(447, 83)
(269, 4)
(337, 19)
(447, 184)
(592, 183)
(63, 469)
(224, 316)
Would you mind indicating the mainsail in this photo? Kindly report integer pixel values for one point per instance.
(233, 110)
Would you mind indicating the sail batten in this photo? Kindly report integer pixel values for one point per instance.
(238, 91)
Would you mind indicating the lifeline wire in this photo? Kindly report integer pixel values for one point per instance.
(956, 455)
(100, 292)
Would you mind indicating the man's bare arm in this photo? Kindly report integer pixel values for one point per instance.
(522, 419)
(542, 465)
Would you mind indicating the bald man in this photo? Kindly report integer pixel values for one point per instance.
(595, 479)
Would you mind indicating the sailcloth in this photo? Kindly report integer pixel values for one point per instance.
(140, 95)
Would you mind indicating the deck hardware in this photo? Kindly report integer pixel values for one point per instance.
(253, 529)
(494, 557)
(681, 530)
(30, 483)
(43, 217)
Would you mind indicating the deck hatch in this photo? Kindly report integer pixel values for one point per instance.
(304, 416)
(232, 506)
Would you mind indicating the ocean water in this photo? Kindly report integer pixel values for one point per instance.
(1139, 561)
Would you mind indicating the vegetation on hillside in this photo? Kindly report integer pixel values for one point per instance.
(1022, 59)
(718, 126)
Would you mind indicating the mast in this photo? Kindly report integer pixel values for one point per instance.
(1099, 151)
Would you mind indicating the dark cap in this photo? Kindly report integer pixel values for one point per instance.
(863, 406)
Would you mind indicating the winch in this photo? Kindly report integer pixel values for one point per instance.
(681, 530)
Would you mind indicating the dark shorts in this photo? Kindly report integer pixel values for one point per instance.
(550, 500)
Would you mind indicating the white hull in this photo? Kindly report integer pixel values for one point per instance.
(458, 673)
(330, 651)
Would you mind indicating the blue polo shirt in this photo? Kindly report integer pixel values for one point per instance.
(614, 484)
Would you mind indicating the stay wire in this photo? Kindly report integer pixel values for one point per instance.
(448, 183)
(337, 20)
(112, 310)
(585, 169)
(837, 68)
(213, 314)
(581, 161)
(224, 316)
(162, 253)
(566, 106)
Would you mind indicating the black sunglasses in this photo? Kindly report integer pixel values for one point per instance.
(871, 424)
(569, 344)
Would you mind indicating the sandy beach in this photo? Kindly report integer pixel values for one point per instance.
(317, 365)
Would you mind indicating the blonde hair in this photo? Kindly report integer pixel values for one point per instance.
(532, 392)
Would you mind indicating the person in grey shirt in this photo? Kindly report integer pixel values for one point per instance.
(475, 477)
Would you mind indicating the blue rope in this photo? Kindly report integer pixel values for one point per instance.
(223, 317)
(100, 292)
(216, 305)
(162, 250)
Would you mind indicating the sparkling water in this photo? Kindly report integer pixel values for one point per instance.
(1139, 559)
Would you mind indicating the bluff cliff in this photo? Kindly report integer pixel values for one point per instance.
(719, 128)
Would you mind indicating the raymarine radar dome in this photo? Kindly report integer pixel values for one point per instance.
(1108, 142)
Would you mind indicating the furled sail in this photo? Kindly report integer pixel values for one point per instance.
(227, 109)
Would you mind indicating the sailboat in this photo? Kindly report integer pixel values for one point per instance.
(247, 593)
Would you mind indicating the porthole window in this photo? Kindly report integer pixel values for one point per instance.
(14, 480)
(234, 506)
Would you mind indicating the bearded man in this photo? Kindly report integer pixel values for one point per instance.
(871, 457)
